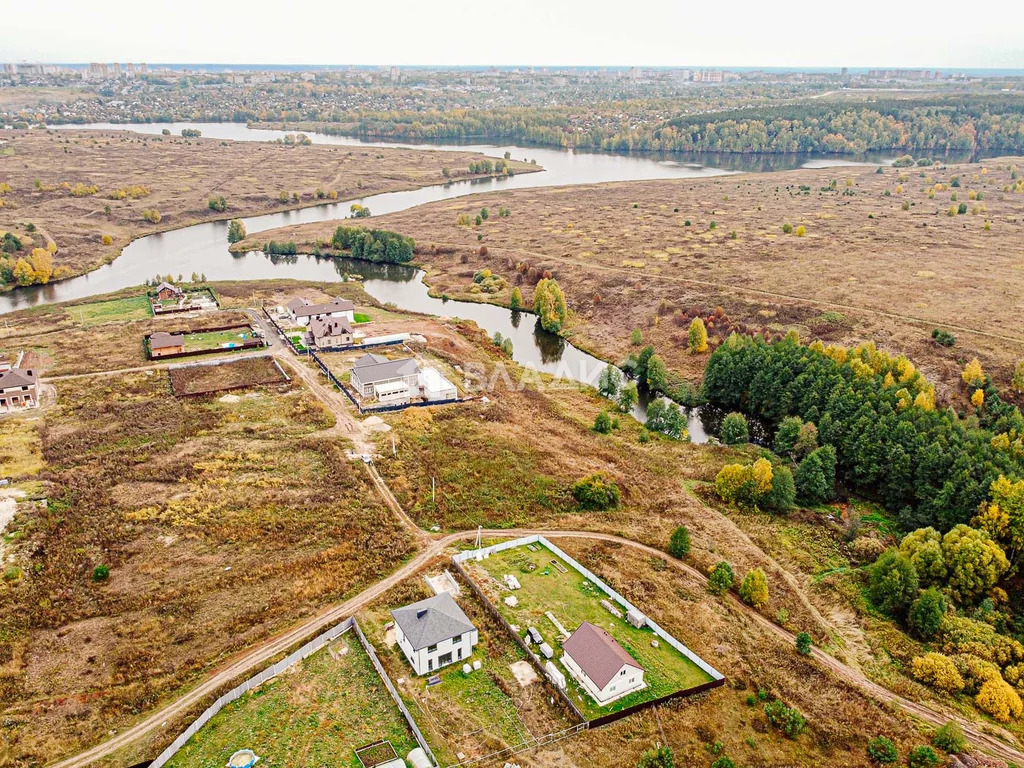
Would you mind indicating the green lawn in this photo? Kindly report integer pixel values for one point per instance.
(315, 716)
(359, 317)
(572, 599)
(194, 342)
(113, 311)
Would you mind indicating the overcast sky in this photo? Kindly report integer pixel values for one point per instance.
(907, 33)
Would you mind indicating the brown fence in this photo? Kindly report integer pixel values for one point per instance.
(254, 344)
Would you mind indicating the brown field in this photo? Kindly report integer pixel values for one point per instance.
(236, 374)
(181, 175)
(866, 269)
(221, 523)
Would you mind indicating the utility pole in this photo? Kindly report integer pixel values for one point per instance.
(433, 496)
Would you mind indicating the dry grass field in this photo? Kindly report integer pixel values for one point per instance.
(880, 259)
(181, 175)
(203, 379)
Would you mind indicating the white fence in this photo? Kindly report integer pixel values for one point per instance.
(474, 554)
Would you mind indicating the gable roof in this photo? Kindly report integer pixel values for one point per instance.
(163, 340)
(17, 377)
(432, 621)
(392, 369)
(597, 653)
(297, 303)
(331, 326)
(369, 359)
(169, 287)
(305, 309)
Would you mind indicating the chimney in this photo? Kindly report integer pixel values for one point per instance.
(421, 613)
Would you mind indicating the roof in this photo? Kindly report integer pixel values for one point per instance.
(392, 369)
(169, 287)
(432, 621)
(163, 340)
(597, 653)
(391, 388)
(369, 359)
(329, 327)
(305, 309)
(17, 377)
(434, 381)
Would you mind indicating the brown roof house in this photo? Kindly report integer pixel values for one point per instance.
(330, 332)
(162, 344)
(601, 665)
(19, 388)
(302, 311)
(166, 291)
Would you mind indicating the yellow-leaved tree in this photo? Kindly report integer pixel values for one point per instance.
(973, 375)
(978, 398)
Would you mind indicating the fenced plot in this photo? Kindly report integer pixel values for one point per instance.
(205, 378)
(551, 586)
(318, 712)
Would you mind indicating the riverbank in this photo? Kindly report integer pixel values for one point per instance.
(89, 190)
(880, 258)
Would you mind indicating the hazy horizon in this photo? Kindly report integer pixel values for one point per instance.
(598, 33)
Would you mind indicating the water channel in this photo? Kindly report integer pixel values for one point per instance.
(203, 248)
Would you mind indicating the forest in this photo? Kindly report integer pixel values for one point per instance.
(929, 466)
(378, 245)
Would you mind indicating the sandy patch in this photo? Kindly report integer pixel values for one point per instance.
(524, 673)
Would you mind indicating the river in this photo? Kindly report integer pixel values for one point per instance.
(203, 248)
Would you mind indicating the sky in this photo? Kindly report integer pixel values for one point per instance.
(793, 33)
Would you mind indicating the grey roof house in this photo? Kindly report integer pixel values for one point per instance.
(371, 373)
(434, 632)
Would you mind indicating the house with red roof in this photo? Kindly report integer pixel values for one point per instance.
(599, 664)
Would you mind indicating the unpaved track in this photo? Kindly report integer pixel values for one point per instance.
(262, 654)
(432, 546)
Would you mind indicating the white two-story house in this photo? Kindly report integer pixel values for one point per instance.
(433, 633)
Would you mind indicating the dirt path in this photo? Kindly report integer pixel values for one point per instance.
(262, 654)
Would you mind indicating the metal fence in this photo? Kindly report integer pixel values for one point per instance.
(372, 653)
(287, 339)
(270, 672)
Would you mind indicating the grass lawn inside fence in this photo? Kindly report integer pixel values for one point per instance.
(359, 317)
(113, 311)
(196, 342)
(572, 599)
(316, 715)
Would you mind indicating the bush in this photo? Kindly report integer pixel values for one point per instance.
(734, 429)
(882, 750)
(603, 423)
(803, 643)
(549, 303)
(937, 671)
(922, 757)
(754, 588)
(100, 573)
(944, 338)
(801, 231)
(721, 578)
(218, 204)
(107, 240)
(950, 738)
(723, 762)
(998, 699)
(789, 720)
(657, 758)
(787, 228)
(893, 583)
(152, 215)
(596, 492)
(925, 615)
(679, 542)
(698, 336)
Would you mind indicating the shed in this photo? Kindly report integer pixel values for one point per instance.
(435, 387)
(392, 393)
(535, 635)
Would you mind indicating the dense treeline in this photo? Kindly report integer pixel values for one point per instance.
(879, 414)
(937, 124)
(374, 244)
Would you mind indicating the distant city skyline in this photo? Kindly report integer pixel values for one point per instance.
(800, 34)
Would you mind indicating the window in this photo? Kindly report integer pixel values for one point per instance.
(612, 689)
(622, 673)
(431, 648)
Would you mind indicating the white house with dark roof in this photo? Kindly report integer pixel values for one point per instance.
(599, 664)
(18, 389)
(302, 311)
(434, 633)
(387, 380)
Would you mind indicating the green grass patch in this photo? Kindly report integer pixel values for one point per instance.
(572, 599)
(359, 317)
(315, 716)
(195, 342)
(113, 311)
